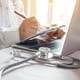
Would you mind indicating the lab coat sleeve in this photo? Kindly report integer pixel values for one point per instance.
(8, 37)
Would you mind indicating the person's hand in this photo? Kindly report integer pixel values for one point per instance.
(58, 34)
(28, 27)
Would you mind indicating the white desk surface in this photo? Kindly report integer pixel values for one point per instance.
(38, 72)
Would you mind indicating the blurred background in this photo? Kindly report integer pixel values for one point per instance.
(50, 11)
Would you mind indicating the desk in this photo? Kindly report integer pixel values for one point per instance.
(38, 72)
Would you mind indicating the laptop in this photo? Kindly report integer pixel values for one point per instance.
(72, 40)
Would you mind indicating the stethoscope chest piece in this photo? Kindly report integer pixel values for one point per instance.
(45, 53)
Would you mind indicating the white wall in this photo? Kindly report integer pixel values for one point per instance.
(72, 42)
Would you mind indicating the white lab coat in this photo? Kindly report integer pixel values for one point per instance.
(9, 21)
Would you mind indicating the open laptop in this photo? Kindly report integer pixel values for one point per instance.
(72, 41)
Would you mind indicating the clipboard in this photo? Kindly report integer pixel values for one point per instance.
(32, 43)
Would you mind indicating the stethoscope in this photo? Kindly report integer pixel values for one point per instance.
(44, 56)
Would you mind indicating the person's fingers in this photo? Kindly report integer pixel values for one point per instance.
(60, 33)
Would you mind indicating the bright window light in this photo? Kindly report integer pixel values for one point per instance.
(51, 11)
(62, 11)
(42, 10)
